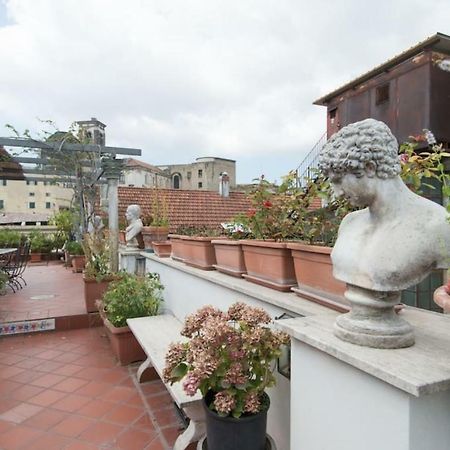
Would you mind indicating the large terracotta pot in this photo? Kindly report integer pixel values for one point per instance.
(442, 299)
(178, 247)
(94, 290)
(199, 252)
(78, 263)
(314, 274)
(269, 263)
(36, 257)
(154, 234)
(229, 257)
(162, 249)
(123, 343)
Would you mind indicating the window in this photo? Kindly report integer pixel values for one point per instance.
(48, 205)
(2, 204)
(47, 194)
(200, 185)
(122, 179)
(32, 205)
(176, 181)
(332, 115)
(4, 182)
(45, 183)
(189, 175)
(382, 94)
(200, 173)
(31, 194)
(32, 182)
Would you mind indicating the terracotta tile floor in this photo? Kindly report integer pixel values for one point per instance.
(51, 291)
(64, 390)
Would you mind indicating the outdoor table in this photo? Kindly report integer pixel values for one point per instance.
(5, 251)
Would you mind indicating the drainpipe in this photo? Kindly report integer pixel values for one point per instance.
(224, 184)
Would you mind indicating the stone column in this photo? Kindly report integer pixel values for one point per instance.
(113, 168)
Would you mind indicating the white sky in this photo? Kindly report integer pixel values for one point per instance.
(187, 78)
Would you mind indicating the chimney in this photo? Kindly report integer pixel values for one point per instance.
(224, 185)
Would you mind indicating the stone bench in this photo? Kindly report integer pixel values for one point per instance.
(155, 334)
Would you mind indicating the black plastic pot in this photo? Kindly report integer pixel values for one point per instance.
(228, 433)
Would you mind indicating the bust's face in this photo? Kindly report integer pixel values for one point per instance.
(358, 190)
(130, 214)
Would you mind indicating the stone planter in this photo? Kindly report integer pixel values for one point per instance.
(162, 249)
(442, 299)
(154, 234)
(94, 290)
(229, 257)
(123, 343)
(269, 263)
(314, 274)
(78, 263)
(199, 252)
(178, 247)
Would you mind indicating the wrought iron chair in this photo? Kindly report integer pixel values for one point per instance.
(16, 265)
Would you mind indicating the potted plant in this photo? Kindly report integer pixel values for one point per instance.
(230, 358)
(197, 249)
(76, 253)
(271, 220)
(156, 224)
(97, 273)
(40, 245)
(163, 249)
(128, 297)
(9, 238)
(229, 254)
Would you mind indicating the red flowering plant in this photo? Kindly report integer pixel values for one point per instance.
(229, 355)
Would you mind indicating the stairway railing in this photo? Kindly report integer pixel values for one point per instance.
(310, 163)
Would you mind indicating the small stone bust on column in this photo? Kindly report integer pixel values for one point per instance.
(392, 244)
(134, 227)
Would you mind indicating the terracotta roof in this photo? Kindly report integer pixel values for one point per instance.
(199, 208)
(131, 162)
(11, 218)
(9, 169)
(439, 42)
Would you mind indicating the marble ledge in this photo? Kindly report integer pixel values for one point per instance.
(421, 369)
(290, 302)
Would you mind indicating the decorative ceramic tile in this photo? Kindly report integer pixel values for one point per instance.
(27, 326)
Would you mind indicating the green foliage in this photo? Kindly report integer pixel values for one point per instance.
(159, 214)
(9, 238)
(64, 222)
(74, 248)
(195, 230)
(40, 242)
(132, 296)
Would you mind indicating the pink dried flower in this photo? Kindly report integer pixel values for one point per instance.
(252, 402)
(191, 383)
(224, 402)
(194, 322)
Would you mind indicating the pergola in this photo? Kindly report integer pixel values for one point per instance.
(44, 167)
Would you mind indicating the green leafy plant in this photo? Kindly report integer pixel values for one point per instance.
(230, 355)
(9, 238)
(64, 222)
(159, 214)
(74, 248)
(132, 296)
(40, 242)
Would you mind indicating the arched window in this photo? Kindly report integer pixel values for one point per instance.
(176, 181)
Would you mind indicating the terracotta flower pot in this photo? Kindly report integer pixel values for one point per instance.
(94, 290)
(123, 343)
(442, 299)
(36, 257)
(269, 263)
(229, 257)
(122, 239)
(199, 252)
(314, 274)
(162, 249)
(178, 247)
(78, 263)
(154, 234)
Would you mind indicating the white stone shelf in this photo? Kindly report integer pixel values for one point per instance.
(418, 370)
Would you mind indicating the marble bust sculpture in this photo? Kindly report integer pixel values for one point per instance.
(135, 225)
(391, 244)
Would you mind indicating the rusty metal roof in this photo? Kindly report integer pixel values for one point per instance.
(439, 42)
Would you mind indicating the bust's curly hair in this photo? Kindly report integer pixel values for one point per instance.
(351, 148)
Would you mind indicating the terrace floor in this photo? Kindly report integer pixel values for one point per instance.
(65, 389)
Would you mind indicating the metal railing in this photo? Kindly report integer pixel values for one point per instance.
(309, 165)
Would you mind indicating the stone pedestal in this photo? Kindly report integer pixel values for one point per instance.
(372, 320)
(348, 397)
(128, 257)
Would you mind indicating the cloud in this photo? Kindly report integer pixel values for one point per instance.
(185, 79)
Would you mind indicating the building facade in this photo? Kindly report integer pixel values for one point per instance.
(203, 174)
(141, 174)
